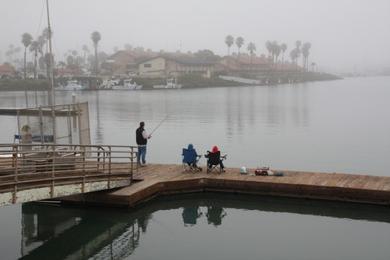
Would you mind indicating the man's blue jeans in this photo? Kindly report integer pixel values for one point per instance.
(141, 154)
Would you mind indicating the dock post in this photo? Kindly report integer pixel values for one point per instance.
(131, 164)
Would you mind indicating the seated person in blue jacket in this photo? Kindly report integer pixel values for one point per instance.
(191, 157)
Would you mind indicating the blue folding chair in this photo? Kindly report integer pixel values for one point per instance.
(190, 160)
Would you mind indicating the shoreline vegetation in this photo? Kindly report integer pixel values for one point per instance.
(188, 81)
(91, 70)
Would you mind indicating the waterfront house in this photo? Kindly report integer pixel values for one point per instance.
(118, 63)
(175, 65)
(124, 62)
(7, 71)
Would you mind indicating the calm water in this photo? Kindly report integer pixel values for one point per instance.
(334, 126)
(337, 126)
(205, 226)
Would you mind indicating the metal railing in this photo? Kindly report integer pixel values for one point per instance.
(24, 166)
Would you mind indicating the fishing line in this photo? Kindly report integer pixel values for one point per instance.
(162, 121)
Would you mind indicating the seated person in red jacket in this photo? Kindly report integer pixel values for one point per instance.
(215, 158)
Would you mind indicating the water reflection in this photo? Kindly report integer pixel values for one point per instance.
(190, 215)
(99, 128)
(215, 215)
(77, 233)
(300, 110)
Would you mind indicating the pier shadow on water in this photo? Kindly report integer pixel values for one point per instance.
(81, 233)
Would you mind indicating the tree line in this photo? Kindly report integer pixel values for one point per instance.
(41, 57)
(274, 50)
(73, 59)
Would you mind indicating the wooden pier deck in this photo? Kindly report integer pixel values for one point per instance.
(159, 179)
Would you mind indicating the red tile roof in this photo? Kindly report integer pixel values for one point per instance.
(7, 69)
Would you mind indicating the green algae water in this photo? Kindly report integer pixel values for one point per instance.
(203, 226)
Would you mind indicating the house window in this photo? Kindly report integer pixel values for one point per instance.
(147, 65)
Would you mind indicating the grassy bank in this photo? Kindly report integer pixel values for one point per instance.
(196, 81)
(191, 81)
(187, 81)
(315, 76)
(288, 77)
(22, 85)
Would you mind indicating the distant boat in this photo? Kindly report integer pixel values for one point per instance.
(116, 84)
(71, 85)
(127, 85)
(106, 85)
(171, 84)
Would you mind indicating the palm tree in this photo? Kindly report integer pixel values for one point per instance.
(293, 55)
(298, 44)
(26, 40)
(268, 45)
(85, 51)
(275, 51)
(42, 41)
(305, 55)
(239, 43)
(313, 64)
(34, 47)
(229, 40)
(251, 48)
(298, 50)
(45, 33)
(283, 48)
(96, 37)
(70, 60)
(45, 37)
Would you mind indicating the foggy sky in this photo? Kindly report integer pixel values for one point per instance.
(345, 34)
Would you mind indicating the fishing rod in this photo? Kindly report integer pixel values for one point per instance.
(162, 121)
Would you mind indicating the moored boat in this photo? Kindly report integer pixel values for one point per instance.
(120, 84)
(71, 85)
(128, 84)
(171, 84)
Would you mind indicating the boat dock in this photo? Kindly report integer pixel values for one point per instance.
(108, 175)
(163, 179)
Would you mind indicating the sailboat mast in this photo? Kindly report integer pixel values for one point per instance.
(52, 101)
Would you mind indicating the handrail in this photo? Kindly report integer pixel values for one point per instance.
(25, 166)
(70, 145)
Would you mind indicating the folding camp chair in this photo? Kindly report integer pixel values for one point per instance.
(190, 161)
(214, 161)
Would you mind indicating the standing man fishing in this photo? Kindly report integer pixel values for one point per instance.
(142, 140)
